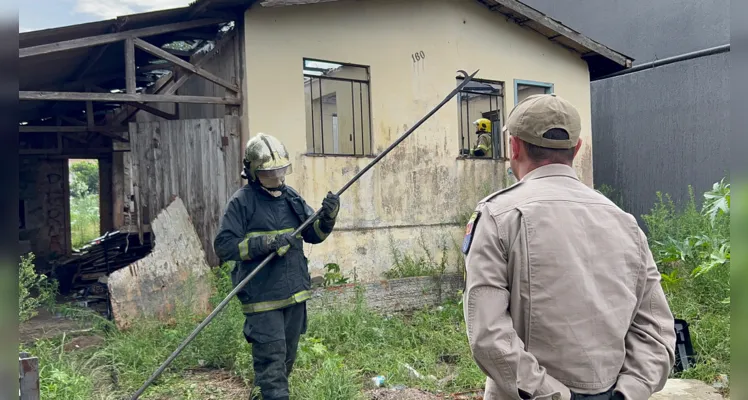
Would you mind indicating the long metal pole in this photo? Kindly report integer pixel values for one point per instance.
(303, 226)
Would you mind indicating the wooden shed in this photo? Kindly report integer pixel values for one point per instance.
(155, 98)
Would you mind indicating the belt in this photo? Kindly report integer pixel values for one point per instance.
(300, 297)
(608, 395)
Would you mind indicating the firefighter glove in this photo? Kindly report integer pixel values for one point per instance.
(284, 242)
(330, 207)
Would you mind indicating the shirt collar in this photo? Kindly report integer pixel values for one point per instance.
(551, 170)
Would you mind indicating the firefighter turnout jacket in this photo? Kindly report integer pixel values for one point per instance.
(250, 219)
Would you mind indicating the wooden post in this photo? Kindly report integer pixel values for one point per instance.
(130, 65)
(28, 369)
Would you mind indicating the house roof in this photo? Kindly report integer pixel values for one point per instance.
(36, 73)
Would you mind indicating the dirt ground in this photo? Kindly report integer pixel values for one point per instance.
(46, 325)
(211, 385)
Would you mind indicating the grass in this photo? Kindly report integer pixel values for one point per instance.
(407, 265)
(343, 348)
(84, 219)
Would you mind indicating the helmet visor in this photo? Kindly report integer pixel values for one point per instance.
(274, 173)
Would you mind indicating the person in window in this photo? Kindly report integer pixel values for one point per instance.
(259, 220)
(483, 148)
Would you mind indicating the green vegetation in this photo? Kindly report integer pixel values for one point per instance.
(348, 344)
(692, 250)
(34, 290)
(407, 265)
(344, 347)
(84, 202)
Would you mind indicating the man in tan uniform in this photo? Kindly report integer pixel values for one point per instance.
(563, 297)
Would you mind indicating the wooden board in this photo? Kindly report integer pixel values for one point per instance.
(173, 276)
(187, 158)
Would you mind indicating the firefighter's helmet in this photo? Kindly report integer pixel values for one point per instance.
(482, 125)
(265, 156)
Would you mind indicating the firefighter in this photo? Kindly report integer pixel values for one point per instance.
(484, 146)
(259, 220)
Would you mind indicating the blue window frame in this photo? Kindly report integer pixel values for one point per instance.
(521, 84)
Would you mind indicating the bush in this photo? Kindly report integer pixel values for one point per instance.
(692, 249)
(34, 290)
(407, 265)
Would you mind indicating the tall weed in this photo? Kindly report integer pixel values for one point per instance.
(34, 290)
(692, 249)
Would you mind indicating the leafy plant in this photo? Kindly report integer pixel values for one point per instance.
(332, 276)
(34, 290)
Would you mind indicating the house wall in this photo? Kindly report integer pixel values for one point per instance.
(421, 188)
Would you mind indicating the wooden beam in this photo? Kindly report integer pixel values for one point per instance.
(52, 129)
(164, 86)
(576, 37)
(199, 63)
(155, 111)
(125, 97)
(145, 46)
(90, 114)
(115, 37)
(73, 121)
(130, 65)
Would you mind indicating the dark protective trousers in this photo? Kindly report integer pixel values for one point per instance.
(609, 395)
(274, 336)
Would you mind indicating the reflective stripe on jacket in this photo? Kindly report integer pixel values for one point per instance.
(251, 217)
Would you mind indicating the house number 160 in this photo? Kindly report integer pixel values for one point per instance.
(418, 56)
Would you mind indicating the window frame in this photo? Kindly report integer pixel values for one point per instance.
(549, 87)
(367, 82)
(497, 136)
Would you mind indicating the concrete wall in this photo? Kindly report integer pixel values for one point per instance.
(422, 185)
(44, 191)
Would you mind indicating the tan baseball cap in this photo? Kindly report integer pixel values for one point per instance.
(539, 113)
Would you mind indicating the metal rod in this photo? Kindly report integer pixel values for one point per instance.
(665, 61)
(303, 226)
(353, 118)
(361, 101)
(311, 113)
(321, 116)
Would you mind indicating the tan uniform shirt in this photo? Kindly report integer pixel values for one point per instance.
(563, 293)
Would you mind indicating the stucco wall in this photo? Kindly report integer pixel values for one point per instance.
(421, 186)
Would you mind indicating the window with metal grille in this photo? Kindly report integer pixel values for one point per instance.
(338, 108)
(481, 99)
(523, 89)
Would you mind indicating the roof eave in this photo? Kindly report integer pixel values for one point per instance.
(590, 50)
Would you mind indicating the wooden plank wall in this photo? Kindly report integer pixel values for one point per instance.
(224, 65)
(198, 160)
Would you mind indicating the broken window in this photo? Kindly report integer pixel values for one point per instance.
(481, 99)
(523, 89)
(338, 110)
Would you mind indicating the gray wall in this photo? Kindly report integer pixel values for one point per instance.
(660, 129)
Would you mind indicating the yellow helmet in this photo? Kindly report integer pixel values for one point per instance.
(264, 154)
(483, 125)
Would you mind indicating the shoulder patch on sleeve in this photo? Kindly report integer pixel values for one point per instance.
(469, 231)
